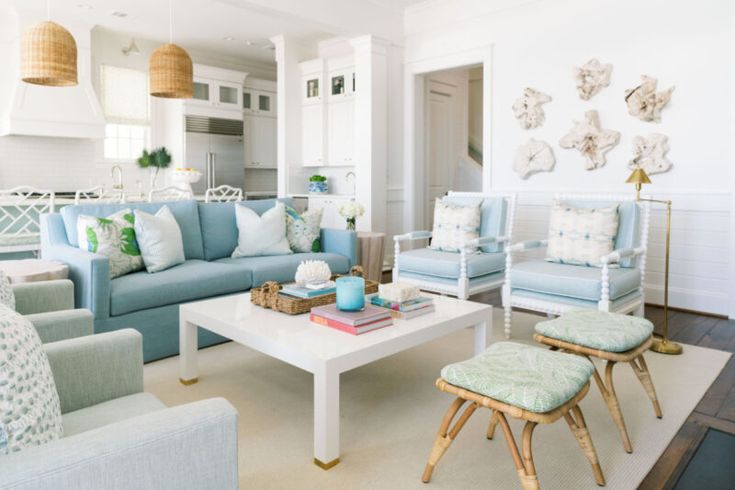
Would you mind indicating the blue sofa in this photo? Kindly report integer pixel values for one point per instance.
(149, 303)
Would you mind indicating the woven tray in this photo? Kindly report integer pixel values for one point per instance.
(268, 296)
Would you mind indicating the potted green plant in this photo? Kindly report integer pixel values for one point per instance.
(318, 184)
(155, 160)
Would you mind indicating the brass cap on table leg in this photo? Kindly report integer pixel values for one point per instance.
(665, 346)
(187, 382)
(326, 466)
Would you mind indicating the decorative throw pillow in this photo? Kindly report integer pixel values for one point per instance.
(454, 226)
(30, 412)
(7, 297)
(580, 236)
(113, 237)
(261, 235)
(160, 239)
(303, 230)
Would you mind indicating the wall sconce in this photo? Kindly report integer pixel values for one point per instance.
(132, 48)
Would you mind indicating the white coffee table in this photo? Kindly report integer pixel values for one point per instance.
(322, 351)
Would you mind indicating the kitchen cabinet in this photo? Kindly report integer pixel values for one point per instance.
(340, 132)
(330, 209)
(215, 93)
(259, 102)
(260, 136)
(312, 135)
(342, 84)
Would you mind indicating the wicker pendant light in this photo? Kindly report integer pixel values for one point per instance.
(48, 55)
(170, 70)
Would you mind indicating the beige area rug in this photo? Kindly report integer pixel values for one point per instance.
(390, 412)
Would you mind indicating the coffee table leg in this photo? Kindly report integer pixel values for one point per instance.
(188, 371)
(326, 418)
(480, 338)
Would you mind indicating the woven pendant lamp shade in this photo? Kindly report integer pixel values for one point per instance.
(171, 73)
(48, 56)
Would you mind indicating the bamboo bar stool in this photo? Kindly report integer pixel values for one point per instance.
(611, 337)
(523, 382)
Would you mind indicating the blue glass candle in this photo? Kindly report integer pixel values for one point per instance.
(350, 293)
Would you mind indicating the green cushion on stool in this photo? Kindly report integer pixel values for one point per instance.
(531, 378)
(611, 332)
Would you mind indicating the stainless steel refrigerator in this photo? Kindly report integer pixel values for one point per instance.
(214, 146)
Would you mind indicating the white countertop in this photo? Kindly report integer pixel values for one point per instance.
(328, 196)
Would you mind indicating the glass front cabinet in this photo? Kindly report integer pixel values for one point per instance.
(342, 84)
(258, 102)
(216, 93)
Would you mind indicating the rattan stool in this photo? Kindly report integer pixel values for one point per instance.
(611, 337)
(493, 373)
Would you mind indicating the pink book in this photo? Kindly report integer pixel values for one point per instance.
(349, 329)
(353, 318)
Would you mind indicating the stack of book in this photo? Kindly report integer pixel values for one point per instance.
(404, 310)
(307, 292)
(354, 322)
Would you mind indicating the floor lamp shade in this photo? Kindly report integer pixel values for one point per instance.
(48, 56)
(171, 73)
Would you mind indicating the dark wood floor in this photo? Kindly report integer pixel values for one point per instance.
(716, 410)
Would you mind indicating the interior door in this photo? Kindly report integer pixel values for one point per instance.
(438, 147)
(197, 149)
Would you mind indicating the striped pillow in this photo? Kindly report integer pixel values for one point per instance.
(580, 236)
(454, 226)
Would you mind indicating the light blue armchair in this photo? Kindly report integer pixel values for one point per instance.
(117, 436)
(461, 274)
(553, 288)
(49, 305)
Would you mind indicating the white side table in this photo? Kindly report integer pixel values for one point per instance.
(370, 252)
(34, 270)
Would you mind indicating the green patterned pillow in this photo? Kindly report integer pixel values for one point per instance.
(113, 237)
(303, 230)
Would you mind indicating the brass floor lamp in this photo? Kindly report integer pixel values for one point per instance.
(662, 345)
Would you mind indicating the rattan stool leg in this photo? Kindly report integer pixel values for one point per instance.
(641, 370)
(528, 479)
(445, 436)
(578, 426)
(607, 390)
(493, 423)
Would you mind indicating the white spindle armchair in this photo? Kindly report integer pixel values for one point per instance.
(460, 274)
(553, 288)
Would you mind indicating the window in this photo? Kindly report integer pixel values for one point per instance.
(125, 102)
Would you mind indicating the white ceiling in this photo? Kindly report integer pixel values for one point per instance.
(198, 24)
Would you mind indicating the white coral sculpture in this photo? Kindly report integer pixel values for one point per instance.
(649, 153)
(532, 157)
(644, 102)
(592, 77)
(528, 110)
(590, 140)
(312, 272)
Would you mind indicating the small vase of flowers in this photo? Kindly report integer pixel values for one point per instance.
(154, 160)
(350, 211)
(318, 184)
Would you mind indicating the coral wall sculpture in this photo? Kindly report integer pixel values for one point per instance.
(649, 153)
(528, 110)
(644, 102)
(590, 140)
(592, 77)
(532, 157)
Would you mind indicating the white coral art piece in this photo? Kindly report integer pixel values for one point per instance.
(592, 77)
(649, 153)
(312, 272)
(644, 102)
(590, 140)
(532, 157)
(528, 110)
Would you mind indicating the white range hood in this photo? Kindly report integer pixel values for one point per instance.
(34, 110)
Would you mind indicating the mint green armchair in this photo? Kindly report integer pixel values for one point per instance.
(49, 305)
(116, 435)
